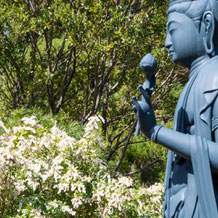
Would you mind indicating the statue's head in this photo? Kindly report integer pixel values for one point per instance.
(192, 30)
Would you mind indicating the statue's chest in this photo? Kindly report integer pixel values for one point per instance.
(184, 118)
(184, 113)
(189, 113)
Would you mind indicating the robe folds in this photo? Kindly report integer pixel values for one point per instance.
(202, 201)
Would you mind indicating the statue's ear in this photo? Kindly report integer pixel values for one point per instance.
(209, 23)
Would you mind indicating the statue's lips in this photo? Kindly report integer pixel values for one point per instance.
(171, 53)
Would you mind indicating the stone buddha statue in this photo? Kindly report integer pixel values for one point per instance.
(191, 179)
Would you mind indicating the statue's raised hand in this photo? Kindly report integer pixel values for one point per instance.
(145, 113)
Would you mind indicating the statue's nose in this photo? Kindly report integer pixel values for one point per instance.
(168, 41)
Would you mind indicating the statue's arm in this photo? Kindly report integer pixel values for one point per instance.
(175, 141)
(180, 143)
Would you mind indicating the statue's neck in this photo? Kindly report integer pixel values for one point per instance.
(197, 64)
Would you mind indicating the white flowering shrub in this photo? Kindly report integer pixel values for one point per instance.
(46, 173)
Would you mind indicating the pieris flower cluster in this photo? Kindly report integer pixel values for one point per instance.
(45, 172)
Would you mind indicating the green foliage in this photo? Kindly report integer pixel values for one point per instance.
(64, 121)
(76, 59)
(56, 54)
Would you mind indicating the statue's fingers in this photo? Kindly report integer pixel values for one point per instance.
(136, 103)
(134, 108)
(144, 93)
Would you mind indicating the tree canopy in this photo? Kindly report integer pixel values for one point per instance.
(81, 58)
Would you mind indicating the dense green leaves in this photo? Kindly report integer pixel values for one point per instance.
(81, 58)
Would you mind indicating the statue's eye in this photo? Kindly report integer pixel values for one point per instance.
(171, 31)
(172, 26)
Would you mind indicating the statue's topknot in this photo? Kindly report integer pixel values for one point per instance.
(172, 2)
(194, 8)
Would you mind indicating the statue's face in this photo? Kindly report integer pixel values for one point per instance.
(184, 41)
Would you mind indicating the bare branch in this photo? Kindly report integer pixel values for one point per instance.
(60, 53)
(121, 117)
(120, 80)
(126, 145)
(66, 83)
(146, 167)
(172, 72)
(32, 6)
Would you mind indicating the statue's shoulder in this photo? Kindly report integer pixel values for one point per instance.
(206, 90)
(209, 74)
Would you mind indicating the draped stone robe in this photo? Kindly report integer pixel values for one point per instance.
(189, 184)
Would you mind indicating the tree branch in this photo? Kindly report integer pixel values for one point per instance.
(151, 163)
(126, 145)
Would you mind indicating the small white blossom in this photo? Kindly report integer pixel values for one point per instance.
(36, 213)
(29, 120)
(66, 208)
(3, 126)
(125, 181)
(53, 204)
